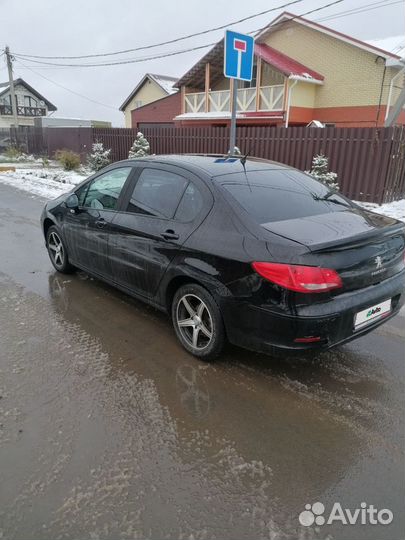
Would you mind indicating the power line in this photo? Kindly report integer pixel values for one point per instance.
(398, 47)
(119, 62)
(68, 89)
(173, 53)
(382, 3)
(203, 32)
(361, 9)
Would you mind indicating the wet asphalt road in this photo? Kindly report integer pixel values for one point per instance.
(108, 429)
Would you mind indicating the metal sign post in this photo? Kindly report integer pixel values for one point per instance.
(238, 65)
(234, 106)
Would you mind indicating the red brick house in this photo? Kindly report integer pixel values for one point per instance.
(158, 113)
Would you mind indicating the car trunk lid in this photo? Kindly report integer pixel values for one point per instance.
(365, 248)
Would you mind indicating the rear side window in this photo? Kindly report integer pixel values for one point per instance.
(190, 204)
(157, 193)
(281, 194)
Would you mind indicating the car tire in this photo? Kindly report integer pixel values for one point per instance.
(197, 321)
(57, 251)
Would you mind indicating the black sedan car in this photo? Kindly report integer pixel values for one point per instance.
(249, 251)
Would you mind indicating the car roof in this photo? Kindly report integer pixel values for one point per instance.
(214, 165)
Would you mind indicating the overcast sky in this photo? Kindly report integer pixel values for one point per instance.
(67, 28)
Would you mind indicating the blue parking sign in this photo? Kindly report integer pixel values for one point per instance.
(238, 56)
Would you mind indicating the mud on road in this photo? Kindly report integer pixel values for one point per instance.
(108, 429)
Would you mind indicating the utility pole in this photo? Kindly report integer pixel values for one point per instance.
(12, 89)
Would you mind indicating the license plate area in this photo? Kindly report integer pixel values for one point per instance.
(373, 313)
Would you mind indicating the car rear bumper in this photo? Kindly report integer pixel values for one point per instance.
(263, 330)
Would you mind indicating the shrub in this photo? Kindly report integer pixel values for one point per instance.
(12, 152)
(45, 161)
(99, 157)
(319, 171)
(140, 147)
(69, 160)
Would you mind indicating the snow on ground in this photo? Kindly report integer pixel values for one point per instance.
(52, 182)
(394, 209)
(48, 183)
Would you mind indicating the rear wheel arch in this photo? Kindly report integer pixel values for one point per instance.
(174, 285)
(209, 284)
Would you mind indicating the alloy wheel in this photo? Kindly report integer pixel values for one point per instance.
(56, 249)
(194, 321)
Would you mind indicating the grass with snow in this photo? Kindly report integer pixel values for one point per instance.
(45, 182)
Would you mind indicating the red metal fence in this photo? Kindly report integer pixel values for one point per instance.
(370, 162)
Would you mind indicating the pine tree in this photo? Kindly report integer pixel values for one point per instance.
(99, 157)
(140, 148)
(319, 171)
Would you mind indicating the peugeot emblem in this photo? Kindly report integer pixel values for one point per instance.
(378, 262)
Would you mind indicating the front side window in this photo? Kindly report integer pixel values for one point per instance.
(157, 193)
(104, 191)
(81, 193)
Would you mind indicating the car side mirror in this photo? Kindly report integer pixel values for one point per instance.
(72, 202)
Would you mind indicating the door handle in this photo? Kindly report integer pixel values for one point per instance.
(100, 223)
(170, 235)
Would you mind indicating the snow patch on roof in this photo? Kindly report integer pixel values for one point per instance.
(215, 115)
(393, 44)
(165, 82)
(211, 114)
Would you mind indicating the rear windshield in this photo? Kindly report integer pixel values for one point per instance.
(280, 194)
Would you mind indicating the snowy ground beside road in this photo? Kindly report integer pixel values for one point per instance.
(54, 181)
(48, 183)
(394, 209)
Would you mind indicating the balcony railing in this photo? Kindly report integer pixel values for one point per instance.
(7, 110)
(195, 102)
(219, 101)
(271, 98)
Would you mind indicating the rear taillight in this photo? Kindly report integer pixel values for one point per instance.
(304, 279)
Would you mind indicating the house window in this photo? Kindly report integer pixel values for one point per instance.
(6, 100)
(270, 76)
(252, 83)
(138, 103)
(30, 101)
